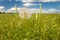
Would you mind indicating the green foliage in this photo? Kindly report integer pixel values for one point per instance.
(46, 27)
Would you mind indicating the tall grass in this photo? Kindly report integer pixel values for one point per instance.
(46, 27)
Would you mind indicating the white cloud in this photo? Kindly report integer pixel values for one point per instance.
(48, 0)
(53, 10)
(38, 0)
(2, 10)
(20, 10)
(2, 7)
(29, 4)
(12, 10)
(18, 0)
(28, 0)
(35, 0)
(45, 11)
(33, 10)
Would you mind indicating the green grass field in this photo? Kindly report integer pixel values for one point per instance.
(45, 27)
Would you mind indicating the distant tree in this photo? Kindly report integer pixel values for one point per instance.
(0, 12)
(3, 12)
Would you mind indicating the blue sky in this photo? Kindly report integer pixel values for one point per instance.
(47, 6)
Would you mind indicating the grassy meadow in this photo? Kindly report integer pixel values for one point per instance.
(45, 27)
